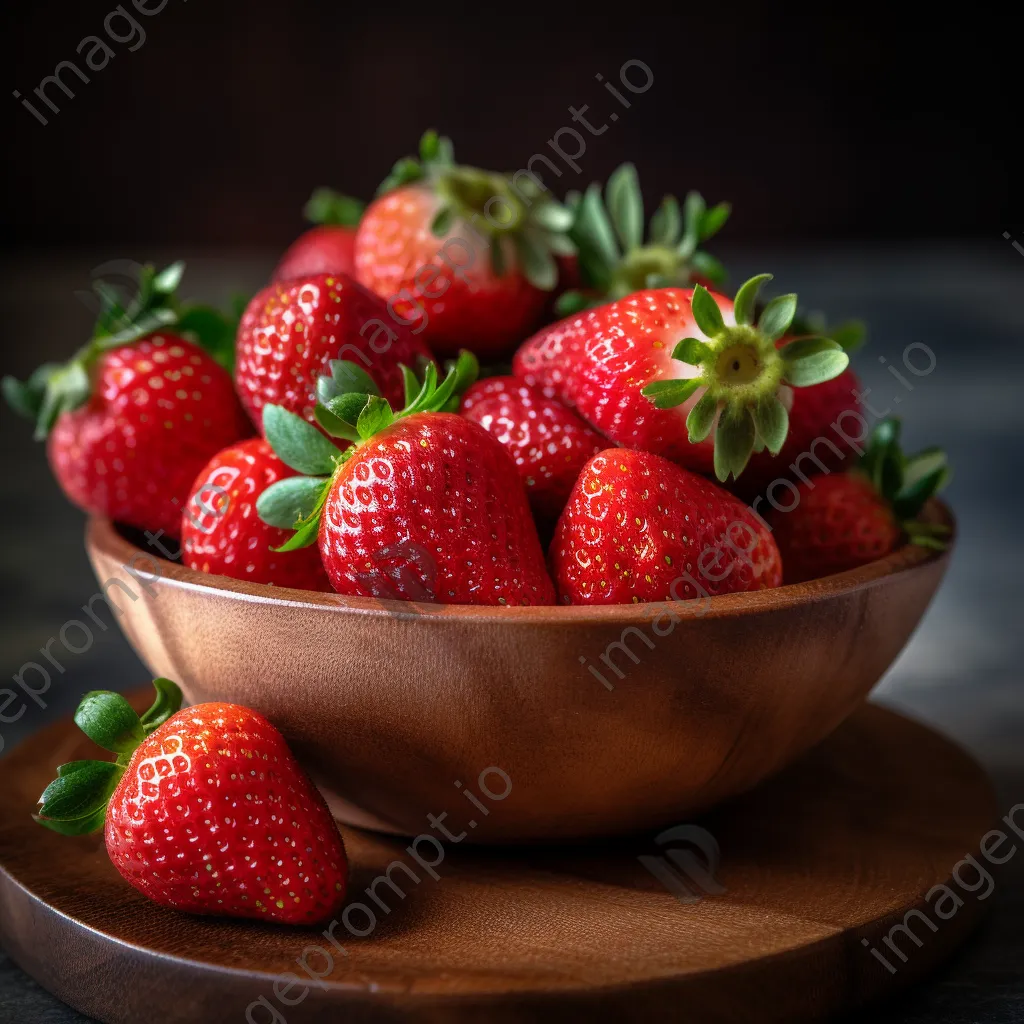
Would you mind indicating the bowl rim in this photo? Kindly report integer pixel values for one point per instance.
(103, 536)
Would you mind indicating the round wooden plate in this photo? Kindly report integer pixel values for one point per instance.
(833, 852)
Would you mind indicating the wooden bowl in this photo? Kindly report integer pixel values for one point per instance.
(493, 717)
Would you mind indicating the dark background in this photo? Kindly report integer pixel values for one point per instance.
(845, 124)
(872, 167)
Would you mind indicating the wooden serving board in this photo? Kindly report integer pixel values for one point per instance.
(834, 851)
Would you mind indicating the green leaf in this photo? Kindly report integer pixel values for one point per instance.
(167, 281)
(146, 323)
(347, 408)
(442, 222)
(772, 422)
(691, 351)
(553, 216)
(411, 384)
(404, 172)
(537, 263)
(706, 312)
(594, 228)
(75, 803)
(734, 443)
(209, 328)
(559, 245)
(298, 444)
(712, 221)
(348, 376)
(704, 264)
(626, 206)
(777, 316)
(693, 215)
(467, 371)
(702, 418)
(376, 415)
(109, 721)
(166, 705)
(667, 394)
(287, 503)
(667, 223)
(305, 536)
(849, 335)
(333, 425)
(812, 361)
(498, 262)
(430, 145)
(923, 464)
(570, 303)
(746, 298)
(325, 206)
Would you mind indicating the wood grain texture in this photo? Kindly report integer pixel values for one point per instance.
(834, 850)
(390, 703)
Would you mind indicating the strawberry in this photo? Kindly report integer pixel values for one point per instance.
(639, 528)
(466, 254)
(205, 810)
(135, 415)
(626, 366)
(843, 520)
(614, 261)
(424, 505)
(221, 532)
(291, 330)
(548, 442)
(328, 248)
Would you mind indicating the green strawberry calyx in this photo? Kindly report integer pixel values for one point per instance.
(614, 260)
(906, 483)
(519, 219)
(742, 373)
(349, 407)
(56, 388)
(75, 803)
(325, 206)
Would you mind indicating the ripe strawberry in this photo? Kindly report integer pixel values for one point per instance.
(614, 261)
(291, 330)
(843, 520)
(221, 532)
(134, 416)
(636, 370)
(424, 506)
(465, 253)
(204, 811)
(329, 248)
(638, 528)
(548, 442)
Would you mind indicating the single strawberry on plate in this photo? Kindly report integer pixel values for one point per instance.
(138, 411)
(465, 255)
(614, 261)
(292, 330)
(844, 520)
(204, 811)
(424, 505)
(682, 373)
(222, 534)
(328, 248)
(548, 442)
(638, 528)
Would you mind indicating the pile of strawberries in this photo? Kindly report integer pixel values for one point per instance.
(649, 434)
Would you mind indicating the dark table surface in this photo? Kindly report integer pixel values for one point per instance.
(961, 672)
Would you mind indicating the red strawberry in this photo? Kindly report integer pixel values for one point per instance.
(221, 532)
(843, 520)
(679, 373)
(328, 248)
(614, 261)
(638, 528)
(137, 413)
(205, 810)
(292, 330)
(466, 254)
(548, 442)
(424, 505)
